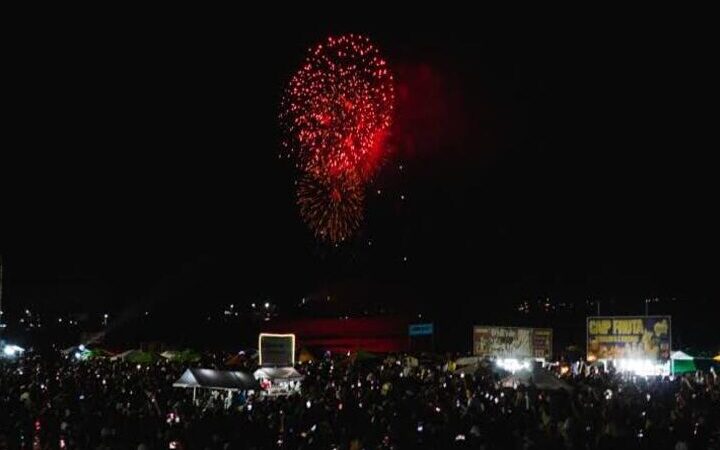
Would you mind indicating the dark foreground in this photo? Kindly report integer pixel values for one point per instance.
(55, 402)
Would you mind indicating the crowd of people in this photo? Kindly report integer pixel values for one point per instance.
(54, 401)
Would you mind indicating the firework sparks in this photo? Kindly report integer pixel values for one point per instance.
(333, 210)
(338, 107)
(336, 111)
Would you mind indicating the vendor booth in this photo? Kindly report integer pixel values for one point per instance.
(279, 380)
(217, 380)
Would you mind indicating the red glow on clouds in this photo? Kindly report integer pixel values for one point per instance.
(430, 112)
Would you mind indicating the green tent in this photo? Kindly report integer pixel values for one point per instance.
(184, 356)
(189, 356)
(99, 353)
(140, 357)
(362, 356)
(681, 363)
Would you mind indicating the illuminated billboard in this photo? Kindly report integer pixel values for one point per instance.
(512, 342)
(629, 337)
(276, 350)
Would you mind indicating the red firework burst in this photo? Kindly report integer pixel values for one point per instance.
(333, 210)
(337, 109)
(338, 106)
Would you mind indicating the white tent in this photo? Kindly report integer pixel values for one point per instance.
(121, 356)
(540, 378)
(680, 355)
(216, 379)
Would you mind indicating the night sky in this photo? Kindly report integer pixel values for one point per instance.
(536, 161)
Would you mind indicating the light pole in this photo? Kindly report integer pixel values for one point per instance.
(650, 300)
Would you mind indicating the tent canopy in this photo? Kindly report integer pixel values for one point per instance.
(682, 363)
(216, 379)
(468, 361)
(467, 370)
(540, 378)
(278, 373)
(136, 357)
(99, 353)
(140, 357)
(679, 355)
(121, 356)
(186, 355)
